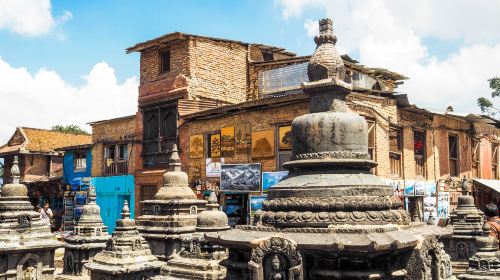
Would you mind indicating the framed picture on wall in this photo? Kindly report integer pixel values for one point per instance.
(240, 177)
(263, 144)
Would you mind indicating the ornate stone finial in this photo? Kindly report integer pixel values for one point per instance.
(326, 34)
(92, 194)
(14, 170)
(174, 161)
(212, 198)
(125, 211)
(325, 62)
(465, 186)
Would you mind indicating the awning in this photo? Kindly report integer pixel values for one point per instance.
(492, 184)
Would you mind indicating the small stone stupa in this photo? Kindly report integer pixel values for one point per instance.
(126, 256)
(466, 223)
(485, 263)
(26, 244)
(89, 238)
(331, 218)
(200, 259)
(171, 216)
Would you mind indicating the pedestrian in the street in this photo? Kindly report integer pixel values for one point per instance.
(491, 212)
(46, 214)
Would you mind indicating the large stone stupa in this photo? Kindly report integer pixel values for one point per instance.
(331, 218)
(171, 216)
(26, 244)
(89, 238)
(126, 256)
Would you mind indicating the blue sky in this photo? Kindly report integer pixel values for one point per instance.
(64, 61)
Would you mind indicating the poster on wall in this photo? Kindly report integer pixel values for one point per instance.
(263, 144)
(443, 205)
(272, 178)
(227, 141)
(195, 170)
(420, 188)
(397, 187)
(242, 138)
(196, 146)
(256, 203)
(240, 177)
(430, 200)
(409, 188)
(215, 145)
(213, 167)
(285, 137)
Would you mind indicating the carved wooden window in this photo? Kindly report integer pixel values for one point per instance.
(476, 164)
(165, 61)
(159, 133)
(395, 151)
(419, 152)
(116, 159)
(494, 161)
(453, 155)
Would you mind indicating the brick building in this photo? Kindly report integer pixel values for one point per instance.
(180, 74)
(193, 87)
(113, 165)
(40, 163)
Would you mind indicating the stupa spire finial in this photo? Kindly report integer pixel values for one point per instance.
(125, 211)
(175, 160)
(14, 170)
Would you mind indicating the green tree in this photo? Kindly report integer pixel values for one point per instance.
(485, 104)
(70, 128)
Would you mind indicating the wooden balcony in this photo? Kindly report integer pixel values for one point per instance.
(117, 167)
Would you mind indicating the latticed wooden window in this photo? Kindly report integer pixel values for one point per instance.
(395, 150)
(494, 161)
(419, 152)
(476, 164)
(453, 155)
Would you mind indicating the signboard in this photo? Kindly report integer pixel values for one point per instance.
(213, 167)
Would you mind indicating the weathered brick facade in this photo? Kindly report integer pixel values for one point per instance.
(112, 132)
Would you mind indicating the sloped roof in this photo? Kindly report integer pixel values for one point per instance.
(43, 140)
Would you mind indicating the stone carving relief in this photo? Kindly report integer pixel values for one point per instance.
(110, 245)
(462, 251)
(276, 258)
(29, 268)
(296, 218)
(24, 220)
(156, 210)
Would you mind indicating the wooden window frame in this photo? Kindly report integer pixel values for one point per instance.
(454, 160)
(163, 55)
(494, 161)
(420, 159)
(396, 157)
(476, 158)
(79, 161)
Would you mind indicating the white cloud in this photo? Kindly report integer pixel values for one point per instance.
(30, 17)
(389, 34)
(45, 99)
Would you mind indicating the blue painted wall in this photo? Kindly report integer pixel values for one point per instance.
(111, 192)
(69, 174)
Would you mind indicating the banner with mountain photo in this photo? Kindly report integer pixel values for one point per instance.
(240, 177)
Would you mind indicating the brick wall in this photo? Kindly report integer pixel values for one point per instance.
(218, 70)
(150, 65)
(113, 131)
(34, 167)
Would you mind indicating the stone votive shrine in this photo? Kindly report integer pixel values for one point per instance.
(331, 218)
(89, 238)
(485, 263)
(170, 217)
(126, 256)
(26, 244)
(200, 259)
